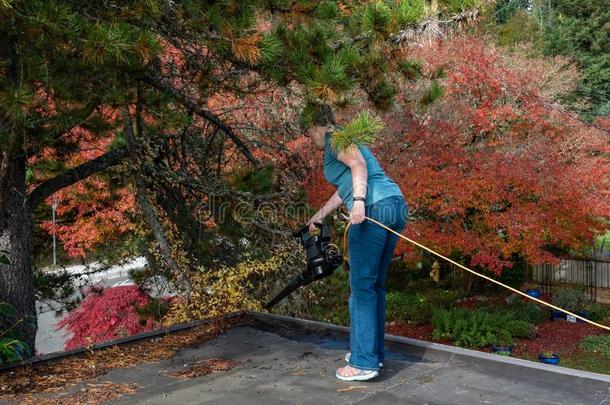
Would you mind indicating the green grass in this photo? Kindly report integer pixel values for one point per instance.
(594, 363)
(596, 344)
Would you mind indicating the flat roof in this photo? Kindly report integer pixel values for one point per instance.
(282, 360)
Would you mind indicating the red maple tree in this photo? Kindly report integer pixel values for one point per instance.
(107, 314)
(493, 169)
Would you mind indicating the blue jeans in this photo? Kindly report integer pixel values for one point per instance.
(370, 251)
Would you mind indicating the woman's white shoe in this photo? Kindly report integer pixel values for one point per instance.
(359, 375)
(347, 355)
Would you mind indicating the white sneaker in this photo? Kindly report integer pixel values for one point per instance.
(347, 355)
(362, 375)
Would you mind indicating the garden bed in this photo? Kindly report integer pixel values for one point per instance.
(561, 337)
(418, 309)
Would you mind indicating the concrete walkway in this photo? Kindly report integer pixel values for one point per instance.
(279, 365)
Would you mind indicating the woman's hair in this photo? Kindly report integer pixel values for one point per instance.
(317, 115)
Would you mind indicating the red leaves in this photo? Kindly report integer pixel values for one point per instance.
(107, 315)
(489, 171)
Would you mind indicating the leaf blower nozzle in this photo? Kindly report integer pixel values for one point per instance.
(323, 258)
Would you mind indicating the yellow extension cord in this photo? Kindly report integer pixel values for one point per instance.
(539, 301)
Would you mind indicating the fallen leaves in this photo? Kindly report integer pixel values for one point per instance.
(204, 367)
(53, 377)
(95, 393)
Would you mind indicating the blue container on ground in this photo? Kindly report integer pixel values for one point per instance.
(554, 359)
(555, 314)
(534, 292)
(502, 350)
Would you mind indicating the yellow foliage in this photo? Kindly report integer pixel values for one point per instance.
(246, 48)
(227, 289)
(325, 93)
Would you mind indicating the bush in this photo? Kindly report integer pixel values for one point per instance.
(402, 276)
(569, 299)
(330, 299)
(417, 307)
(573, 300)
(519, 329)
(443, 298)
(156, 309)
(107, 314)
(408, 307)
(11, 348)
(526, 311)
(477, 328)
(465, 327)
(597, 311)
(519, 28)
(596, 344)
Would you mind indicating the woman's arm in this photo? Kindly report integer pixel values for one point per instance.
(329, 206)
(355, 161)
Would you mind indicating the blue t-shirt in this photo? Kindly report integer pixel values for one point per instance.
(379, 185)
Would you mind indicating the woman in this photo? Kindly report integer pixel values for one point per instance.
(365, 189)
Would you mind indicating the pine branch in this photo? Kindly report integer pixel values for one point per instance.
(74, 175)
(161, 84)
(361, 131)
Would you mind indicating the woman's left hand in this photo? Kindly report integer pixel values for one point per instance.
(357, 214)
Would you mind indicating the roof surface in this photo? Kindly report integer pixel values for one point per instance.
(279, 361)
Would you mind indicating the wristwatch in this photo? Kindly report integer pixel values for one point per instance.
(363, 199)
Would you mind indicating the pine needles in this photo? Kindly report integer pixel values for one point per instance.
(433, 93)
(361, 131)
(247, 49)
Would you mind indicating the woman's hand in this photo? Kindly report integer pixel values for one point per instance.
(332, 204)
(357, 214)
(311, 222)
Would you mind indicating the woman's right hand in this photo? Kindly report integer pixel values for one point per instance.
(312, 222)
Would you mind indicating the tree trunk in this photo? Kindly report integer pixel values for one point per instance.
(16, 281)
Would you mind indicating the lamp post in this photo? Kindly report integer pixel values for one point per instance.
(53, 208)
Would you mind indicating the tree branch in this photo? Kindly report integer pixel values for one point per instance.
(76, 174)
(163, 85)
(150, 214)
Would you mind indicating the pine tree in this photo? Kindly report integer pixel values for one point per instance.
(155, 64)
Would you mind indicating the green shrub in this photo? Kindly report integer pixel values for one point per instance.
(569, 299)
(596, 344)
(408, 307)
(155, 309)
(11, 348)
(443, 298)
(330, 297)
(519, 28)
(465, 327)
(597, 311)
(519, 329)
(528, 312)
(402, 276)
(477, 328)
(416, 307)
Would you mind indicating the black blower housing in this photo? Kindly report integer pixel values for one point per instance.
(323, 259)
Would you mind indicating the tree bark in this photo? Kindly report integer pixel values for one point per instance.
(150, 215)
(16, 281)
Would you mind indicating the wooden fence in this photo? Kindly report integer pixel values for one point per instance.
(588, 273)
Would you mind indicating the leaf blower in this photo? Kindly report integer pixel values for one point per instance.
(323, 258)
